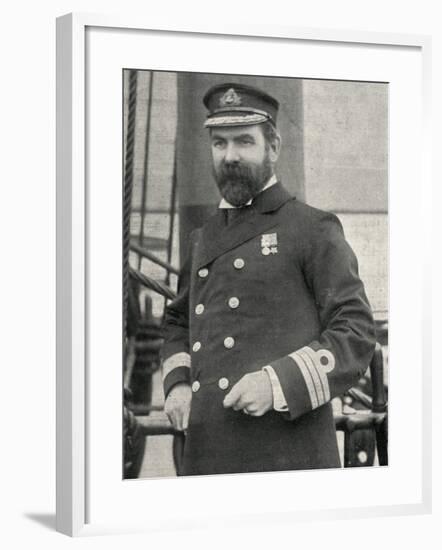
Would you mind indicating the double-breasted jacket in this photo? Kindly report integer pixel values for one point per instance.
(278, 287)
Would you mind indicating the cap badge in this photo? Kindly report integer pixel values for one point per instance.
(230, 99)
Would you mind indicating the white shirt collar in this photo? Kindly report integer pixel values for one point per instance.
(225, 204)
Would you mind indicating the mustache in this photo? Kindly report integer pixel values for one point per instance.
(234, 170)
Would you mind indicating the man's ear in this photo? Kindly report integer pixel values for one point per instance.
(275, 148)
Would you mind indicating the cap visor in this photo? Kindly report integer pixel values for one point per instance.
(235, 120)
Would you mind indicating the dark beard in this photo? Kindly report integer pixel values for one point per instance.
(238, 182)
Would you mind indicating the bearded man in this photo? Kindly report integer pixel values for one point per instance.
(271, 321)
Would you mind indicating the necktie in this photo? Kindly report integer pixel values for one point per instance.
(233, 214)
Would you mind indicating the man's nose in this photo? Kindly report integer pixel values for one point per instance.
(231, 154)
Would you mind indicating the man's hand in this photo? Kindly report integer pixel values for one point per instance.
(252, 394)
(177, 406)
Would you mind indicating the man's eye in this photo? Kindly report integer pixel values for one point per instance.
(246, 141)
(218, 144)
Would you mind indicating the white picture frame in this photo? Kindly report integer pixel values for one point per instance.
(83, 503)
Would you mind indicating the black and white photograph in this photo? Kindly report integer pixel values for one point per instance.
(221, 275)
(255, 273)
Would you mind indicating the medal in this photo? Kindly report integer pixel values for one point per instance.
(269, 243)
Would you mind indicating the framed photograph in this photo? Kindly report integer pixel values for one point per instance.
(240, 277)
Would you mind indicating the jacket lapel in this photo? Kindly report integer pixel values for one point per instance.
(216, 238)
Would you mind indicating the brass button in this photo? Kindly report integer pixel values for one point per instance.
(196, 386)
(229, 342)
(199, 309)
(196, 346)
(239, 263)
(233, 302)
(203, 272)
(223, 383)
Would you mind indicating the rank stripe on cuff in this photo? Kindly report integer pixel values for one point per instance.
(315, 377)
(307, 378)
(313, 372)
(181, 359)
(320, 370)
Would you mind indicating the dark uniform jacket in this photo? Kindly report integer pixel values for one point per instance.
(277, 287)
